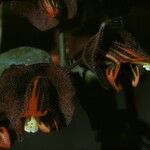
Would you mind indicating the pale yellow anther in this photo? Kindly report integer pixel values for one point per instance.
(31, 125)
(147, 67)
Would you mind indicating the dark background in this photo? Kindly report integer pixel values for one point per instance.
(103, 119)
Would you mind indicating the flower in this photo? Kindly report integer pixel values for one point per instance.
(109, 50)
(37, 97)
(118, 55)
(45, 14)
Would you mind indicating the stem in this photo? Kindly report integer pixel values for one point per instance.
(62, 50)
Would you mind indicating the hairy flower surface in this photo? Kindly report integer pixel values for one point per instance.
(32, 98)
(118, 55)
(109, 50)
(45, 14)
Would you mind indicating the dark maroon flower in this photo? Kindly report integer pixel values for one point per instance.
(34, 97)
(109, 49)
(45, 14)
(118, 55)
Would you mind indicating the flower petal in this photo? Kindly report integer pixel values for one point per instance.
(136, 75)
(111, 74)
(4, 138)
(44, 128)
(50, 10)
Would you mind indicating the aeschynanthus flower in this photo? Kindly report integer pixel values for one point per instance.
(33, 98)
(45, 14)
(111, 47)
(117, 55)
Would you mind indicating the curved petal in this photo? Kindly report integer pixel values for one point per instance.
(4, 138)
(44, 128)
(136, 75)
(111, 74)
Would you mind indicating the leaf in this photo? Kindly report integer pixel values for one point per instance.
(23, 55)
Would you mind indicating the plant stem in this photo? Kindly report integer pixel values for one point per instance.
(62, 50)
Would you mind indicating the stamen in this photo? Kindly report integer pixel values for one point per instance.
(146, 67)
(31, 125)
